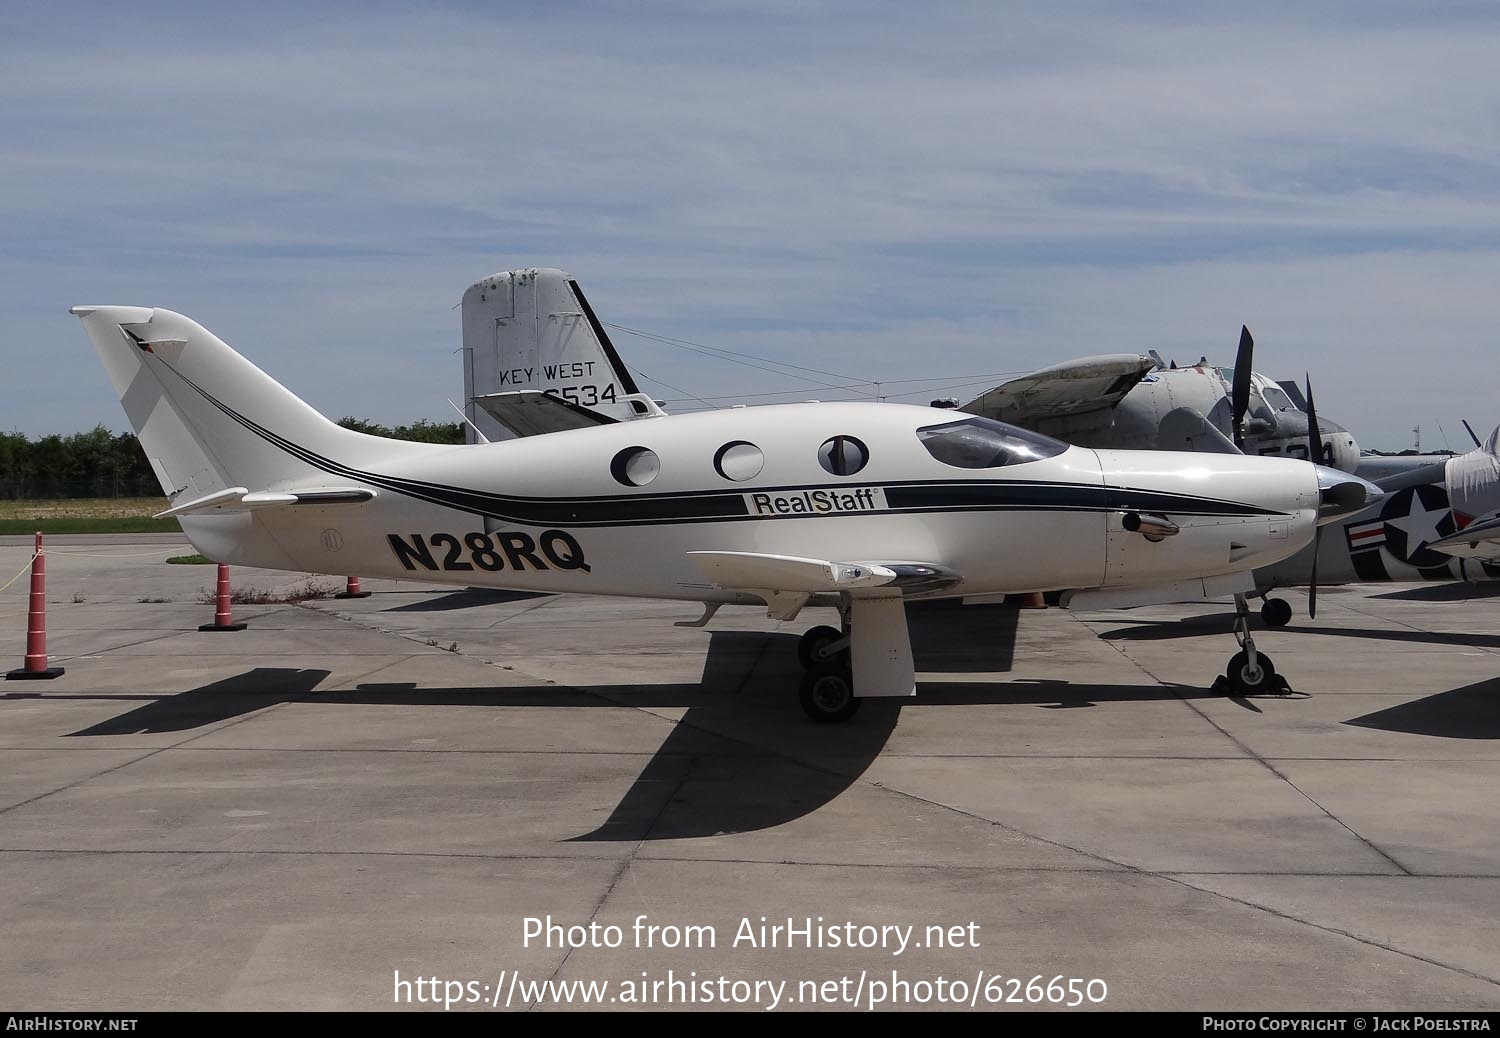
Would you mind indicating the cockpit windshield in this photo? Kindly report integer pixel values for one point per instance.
(981, 443)
(1277, 398)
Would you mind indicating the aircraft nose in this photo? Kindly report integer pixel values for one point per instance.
(1341, 494)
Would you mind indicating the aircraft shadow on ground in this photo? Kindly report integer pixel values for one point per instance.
(1469, 712)
(1219, 623)
(1448, 591)
(466, 599)
(742, 758)
(948, 637)
(1200, 626)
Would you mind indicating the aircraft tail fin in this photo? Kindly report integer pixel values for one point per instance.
(208, 419)
(529, 332)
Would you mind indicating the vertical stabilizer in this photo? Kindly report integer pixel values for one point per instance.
(530, 333)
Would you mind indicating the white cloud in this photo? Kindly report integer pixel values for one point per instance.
(886, 187)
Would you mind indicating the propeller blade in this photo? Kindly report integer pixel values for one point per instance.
(1314, 433)
(1470, 428)
(1315, 455)
(1312, 587)
(1239, 398)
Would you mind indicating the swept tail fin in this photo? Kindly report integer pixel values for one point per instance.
(208, 419)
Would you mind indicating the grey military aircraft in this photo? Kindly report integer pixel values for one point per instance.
(1138, 400)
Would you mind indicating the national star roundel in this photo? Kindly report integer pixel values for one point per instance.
(1415, 517)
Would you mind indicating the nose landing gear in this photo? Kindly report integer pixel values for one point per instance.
(1250, 672)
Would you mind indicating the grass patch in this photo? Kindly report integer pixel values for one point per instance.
(303, 592)
(75, 524)
(190, 560)
(84, 508)
(86, 515)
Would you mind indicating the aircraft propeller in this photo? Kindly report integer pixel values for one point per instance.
(1470, 428)
(1315, 455)
(1240, 390)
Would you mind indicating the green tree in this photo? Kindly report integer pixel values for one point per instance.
(422, 431)
(99, 463)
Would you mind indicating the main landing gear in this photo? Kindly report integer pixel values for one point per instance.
(1250, 672)
(827, 689)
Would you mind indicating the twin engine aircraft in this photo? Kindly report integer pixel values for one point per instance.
(1437, 522)
(859, 506)
(1134, 400)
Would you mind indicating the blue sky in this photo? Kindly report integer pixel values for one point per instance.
(886, 191)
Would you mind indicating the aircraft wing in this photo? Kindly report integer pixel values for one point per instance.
(1075, 387)
(1397, 472)
(752, 571)
(242, 499)
(531, 412)
(1479, 540)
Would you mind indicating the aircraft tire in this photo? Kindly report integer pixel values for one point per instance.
(1276, 612)
(827, 695)
(1243, 682)
(815, 639)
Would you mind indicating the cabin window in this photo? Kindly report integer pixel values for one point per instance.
(981, 443)
(843, 455)
(635, 466)
(739, 461)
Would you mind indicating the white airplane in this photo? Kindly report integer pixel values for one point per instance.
(854, 505)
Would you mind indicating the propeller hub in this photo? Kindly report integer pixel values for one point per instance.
(1341, 494)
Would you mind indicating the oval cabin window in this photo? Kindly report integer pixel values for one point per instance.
(739, 461)
(843, 455)
(635, 466)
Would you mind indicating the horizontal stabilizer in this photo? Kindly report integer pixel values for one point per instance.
(240, 499)
(531, 412)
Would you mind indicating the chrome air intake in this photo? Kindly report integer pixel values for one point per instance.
(1340, 494)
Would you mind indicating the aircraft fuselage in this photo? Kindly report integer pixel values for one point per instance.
(563, 513)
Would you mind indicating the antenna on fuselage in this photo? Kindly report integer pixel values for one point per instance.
(482, 437)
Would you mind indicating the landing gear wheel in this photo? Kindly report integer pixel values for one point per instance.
(810, 646)
(1244, 681)
(827, 695)
(1276, 612)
